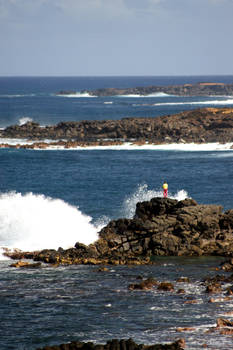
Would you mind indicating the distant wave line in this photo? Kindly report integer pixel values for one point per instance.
(156, 94)
(17, 95)
(76, 95)
(86, 94)
(214, 102)
(128, 146)
(191, 147)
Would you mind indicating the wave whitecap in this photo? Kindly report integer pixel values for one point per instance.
(142, 193)
(209, 102)
(24, 120)
(156, 94)
(76, 95)
(34, 222)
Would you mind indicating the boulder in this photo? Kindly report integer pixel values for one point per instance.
(166, 286)
(144, 285)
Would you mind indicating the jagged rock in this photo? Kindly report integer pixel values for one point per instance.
(161, 226)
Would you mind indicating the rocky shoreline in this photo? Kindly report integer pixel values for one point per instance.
(198, 89)
(160, 227)
(207, 125)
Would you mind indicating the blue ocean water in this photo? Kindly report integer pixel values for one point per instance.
(36, 98)
(52, 198)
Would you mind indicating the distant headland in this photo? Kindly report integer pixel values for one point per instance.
(200, 126)
(198, 89)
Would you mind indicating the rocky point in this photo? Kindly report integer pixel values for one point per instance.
(195, 126)
(160, 227)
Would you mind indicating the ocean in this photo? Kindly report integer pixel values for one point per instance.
(53, 198)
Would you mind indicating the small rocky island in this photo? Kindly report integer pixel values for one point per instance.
(160, 227)
(196, 126)
(198, 89)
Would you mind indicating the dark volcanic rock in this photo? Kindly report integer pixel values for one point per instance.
(116, 344)
(199, 126)
(167, 227)
(161, 227)
(199, 89)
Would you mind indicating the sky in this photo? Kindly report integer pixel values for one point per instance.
(116, 37)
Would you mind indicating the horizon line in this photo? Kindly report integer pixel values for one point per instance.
(114, 76)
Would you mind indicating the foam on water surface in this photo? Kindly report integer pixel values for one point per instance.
(129, 146)
(35, 222)
(76, 95)
(221, 102)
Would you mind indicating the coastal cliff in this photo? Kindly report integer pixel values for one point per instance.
(198, 89)
(160, 227)
(196, 126)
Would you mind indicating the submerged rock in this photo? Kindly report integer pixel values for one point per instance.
(144, 285)
(24, 264)
(166, 286)
(116, 344)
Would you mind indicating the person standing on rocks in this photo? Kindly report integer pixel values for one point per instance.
(165, 189)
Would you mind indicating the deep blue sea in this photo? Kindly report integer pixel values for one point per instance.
(52, 198)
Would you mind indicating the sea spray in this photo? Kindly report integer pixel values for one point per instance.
(141, 194)
(24, 120)
(35, 222)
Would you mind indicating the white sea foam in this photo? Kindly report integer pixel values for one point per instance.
(159, 94)
(77, 95)
(129, 146)
(156, 94)
(142, 193)
(34, 222)
(191, 147)
(209, 102)
(108, 103)
(24, 120)
(14, 142)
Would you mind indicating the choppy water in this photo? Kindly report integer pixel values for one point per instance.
(54, 198)
(56, 305)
